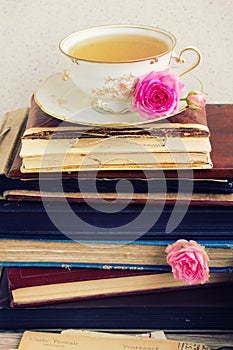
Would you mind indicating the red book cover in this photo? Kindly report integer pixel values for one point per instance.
(20, 277)
(32, 286)
(23, 278)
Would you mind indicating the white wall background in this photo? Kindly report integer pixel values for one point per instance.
(31, 30)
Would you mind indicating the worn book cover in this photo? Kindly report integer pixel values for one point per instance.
(193, 120)
(219, 118)
(198, 222)
(31, 286)
(170, 198)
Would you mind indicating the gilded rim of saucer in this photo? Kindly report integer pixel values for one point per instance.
(154, 29)
(125, 124)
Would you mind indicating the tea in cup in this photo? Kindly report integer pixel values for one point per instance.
(105, 62)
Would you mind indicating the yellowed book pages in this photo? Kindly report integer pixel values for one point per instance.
(105, 254)
(204, 164)
(110, 159)
(51, 341)
(108, 255)
(38, 147)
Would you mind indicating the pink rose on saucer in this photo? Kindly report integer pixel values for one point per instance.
(157, 94)
(189, 261)
(196, 99)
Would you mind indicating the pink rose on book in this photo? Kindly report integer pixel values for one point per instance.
(196, 99)
(157, 94)
(189, 261)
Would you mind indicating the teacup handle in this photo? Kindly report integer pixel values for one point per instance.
(179, 59)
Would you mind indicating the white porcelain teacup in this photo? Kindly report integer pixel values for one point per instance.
(111, 80)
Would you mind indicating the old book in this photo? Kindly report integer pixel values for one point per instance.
(11, 129)
(71, 185)
(198, 222)
(111, 254)
(42, 124)
(214, 339)
(107, 185)
(11, 340)
(177, 134)
(10, 188)
(41, 340)
(115, 161)
(49, 145)
(219, 119)
(220, 124)
(31, 286)
(205, 307)
(217, 180)
(38, 286)
(170, 198)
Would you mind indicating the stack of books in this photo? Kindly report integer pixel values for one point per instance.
(51, 145)
(70, 262)
(207, 307)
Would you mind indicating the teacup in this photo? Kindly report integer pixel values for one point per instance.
(105, 62)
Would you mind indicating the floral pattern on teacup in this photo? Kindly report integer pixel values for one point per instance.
(115, 88)
(152, 95)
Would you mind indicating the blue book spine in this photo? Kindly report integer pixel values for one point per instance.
(68, 265)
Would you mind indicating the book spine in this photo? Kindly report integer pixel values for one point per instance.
(225, 244)
(197, 223)
(109, 186)
(68, 265)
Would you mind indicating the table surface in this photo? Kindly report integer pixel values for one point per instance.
(10, 340)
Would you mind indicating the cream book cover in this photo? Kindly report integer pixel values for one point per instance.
(51, 341)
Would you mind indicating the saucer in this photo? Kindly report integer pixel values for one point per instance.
(59, 97)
